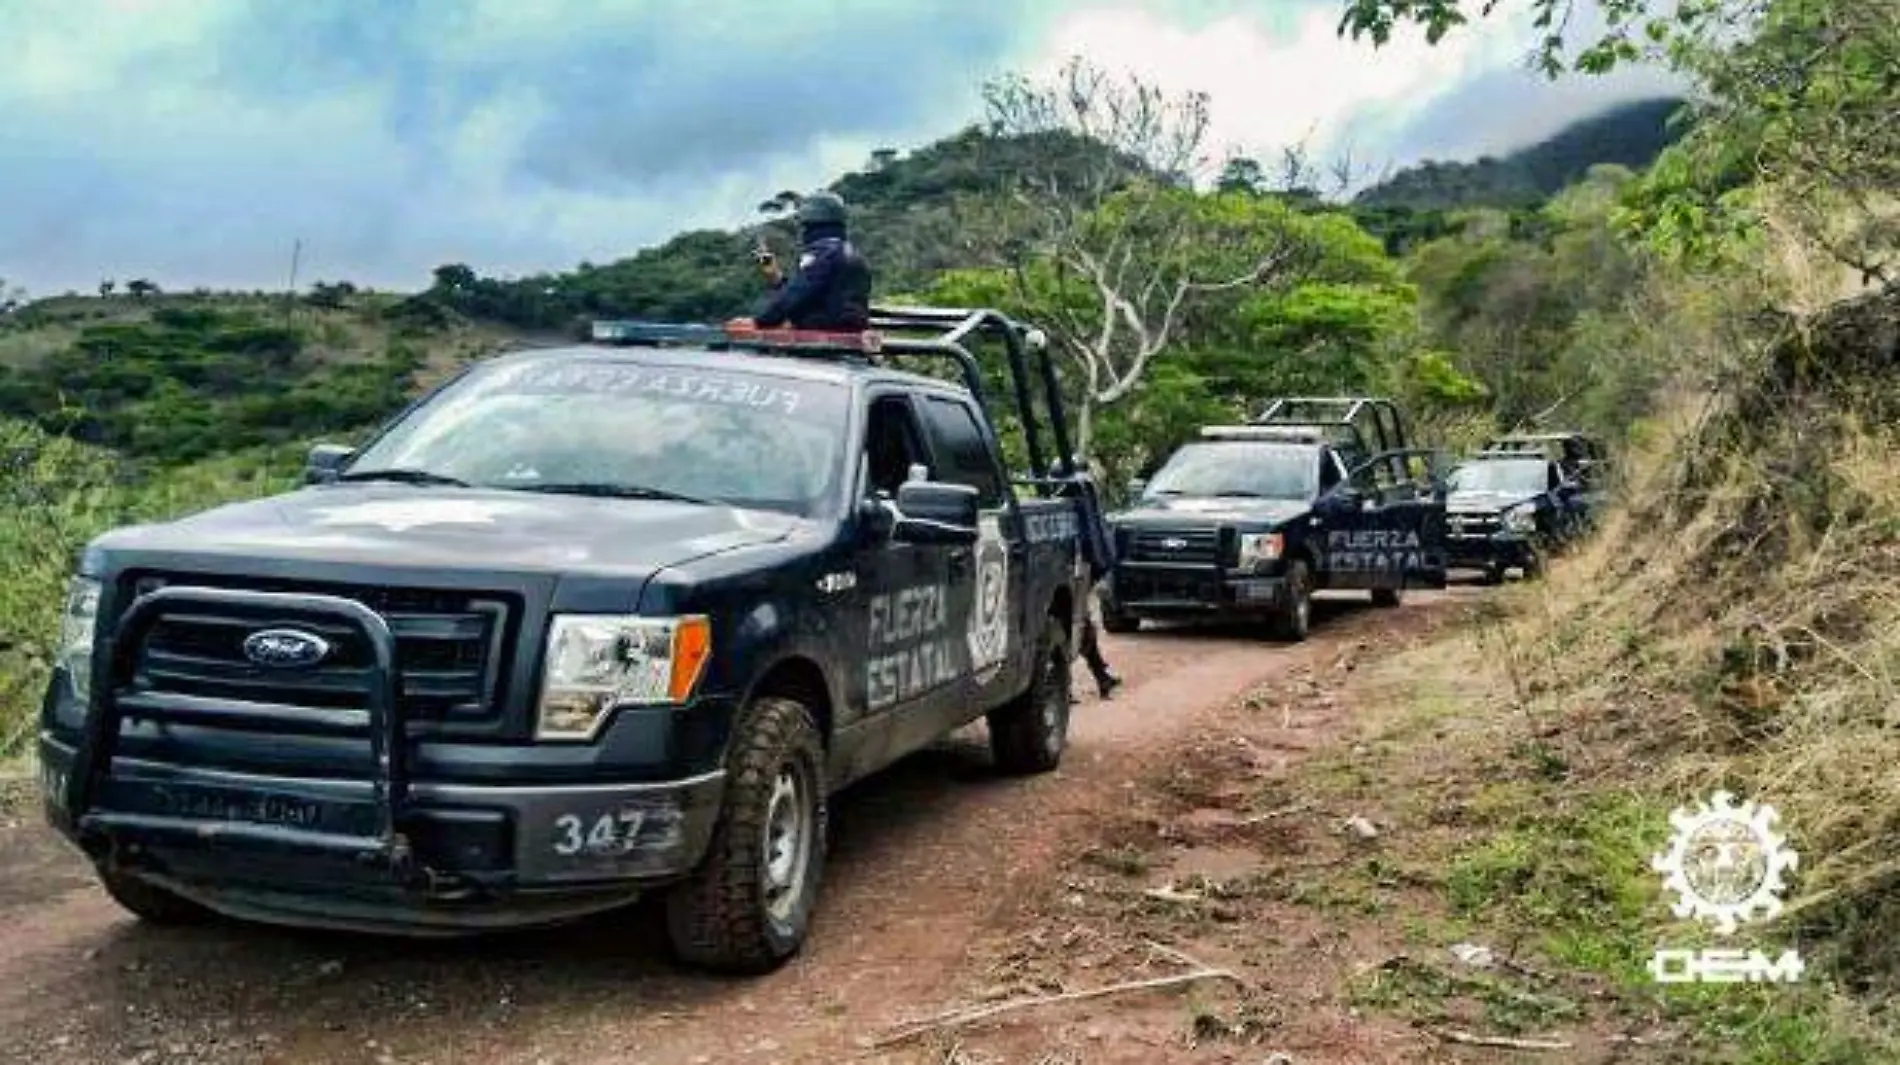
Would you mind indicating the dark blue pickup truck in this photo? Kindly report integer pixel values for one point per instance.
(579, 625)
(1249, 521)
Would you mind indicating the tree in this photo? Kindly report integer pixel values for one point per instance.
(106, 287)
(1109, 239)
(1797, 124)
(139, 288)
(1331, 317)
(1241, 174)
(1631, 32)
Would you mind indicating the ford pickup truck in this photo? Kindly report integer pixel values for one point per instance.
(580, 625)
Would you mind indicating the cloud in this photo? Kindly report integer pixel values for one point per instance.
(194, 142)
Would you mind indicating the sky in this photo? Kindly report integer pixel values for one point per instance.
(195, 142)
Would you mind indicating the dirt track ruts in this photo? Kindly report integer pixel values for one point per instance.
(923, 857)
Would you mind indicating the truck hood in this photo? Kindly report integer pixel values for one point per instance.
(1484, 502)
(449, 528)
(1173, 510)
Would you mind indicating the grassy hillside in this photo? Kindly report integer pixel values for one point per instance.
(171, 379)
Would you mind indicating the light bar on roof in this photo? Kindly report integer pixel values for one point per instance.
(1282, 433)
(626, 331)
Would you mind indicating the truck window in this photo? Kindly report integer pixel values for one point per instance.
(966, 455)
(1330, 473)
(1236, 469)
(892, 445)
(745, 439)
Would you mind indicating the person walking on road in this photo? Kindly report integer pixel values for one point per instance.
(1098, 557)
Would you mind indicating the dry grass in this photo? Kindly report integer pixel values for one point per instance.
(1738, 626)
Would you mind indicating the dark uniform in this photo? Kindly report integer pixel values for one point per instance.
(831, 291)
(1098, 553)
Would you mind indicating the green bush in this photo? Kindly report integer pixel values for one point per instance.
(55, 495)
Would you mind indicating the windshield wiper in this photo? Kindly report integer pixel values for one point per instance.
(608, 490)
(1239, 494)
(403, 475)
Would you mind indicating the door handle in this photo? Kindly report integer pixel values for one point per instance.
(960, 561)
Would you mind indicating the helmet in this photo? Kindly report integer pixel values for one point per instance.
(821, 208)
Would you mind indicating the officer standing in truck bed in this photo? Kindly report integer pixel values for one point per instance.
(831, 290)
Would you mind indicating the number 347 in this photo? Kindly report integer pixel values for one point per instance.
(609, 834)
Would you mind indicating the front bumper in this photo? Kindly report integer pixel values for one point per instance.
(1165, 592)
(393, 849)
(1504, 549)
(299, 851)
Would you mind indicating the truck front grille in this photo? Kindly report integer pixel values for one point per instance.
(1199, 547)
(1472, 524)
(449, 653)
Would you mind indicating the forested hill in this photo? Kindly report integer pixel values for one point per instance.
(1631, 135)
(910, 218)
(907, 217)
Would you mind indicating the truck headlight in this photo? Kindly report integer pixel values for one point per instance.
(1521, 520)
(595, 663)
(78, 629)
(1259, 548)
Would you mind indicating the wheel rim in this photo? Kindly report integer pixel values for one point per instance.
(1054, 710)
(788, 841)
(1302, 603)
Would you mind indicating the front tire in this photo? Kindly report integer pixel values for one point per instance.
(1387, 597)
(1295, 620)
(747, 908)
(1029, 733)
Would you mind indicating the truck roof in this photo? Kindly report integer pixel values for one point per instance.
(839, 371)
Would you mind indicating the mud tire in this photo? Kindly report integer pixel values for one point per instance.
(1295, 621)
(723, 918)
(1029, 733)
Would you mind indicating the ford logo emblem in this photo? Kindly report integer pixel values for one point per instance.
(1173, 543)
(286, 648)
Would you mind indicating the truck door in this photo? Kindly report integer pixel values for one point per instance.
(903, 624)
(1426, 564)
(1394, 538)
(988, 581)
(1347, 513)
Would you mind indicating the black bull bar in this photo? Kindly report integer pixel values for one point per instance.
(92, 763)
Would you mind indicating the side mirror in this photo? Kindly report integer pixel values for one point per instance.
(324, 462)
(1136, 486)
(933, 512)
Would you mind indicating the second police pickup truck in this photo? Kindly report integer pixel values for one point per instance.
(582, 624)
(1246, 523)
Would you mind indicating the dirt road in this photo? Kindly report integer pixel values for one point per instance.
(924, 857)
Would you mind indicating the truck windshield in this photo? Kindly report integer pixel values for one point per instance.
(1239, 469)
(620, 428)
(1511, 475)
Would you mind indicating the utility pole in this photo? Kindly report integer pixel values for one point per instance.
(290, 290)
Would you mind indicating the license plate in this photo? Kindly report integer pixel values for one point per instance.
(200, 803)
